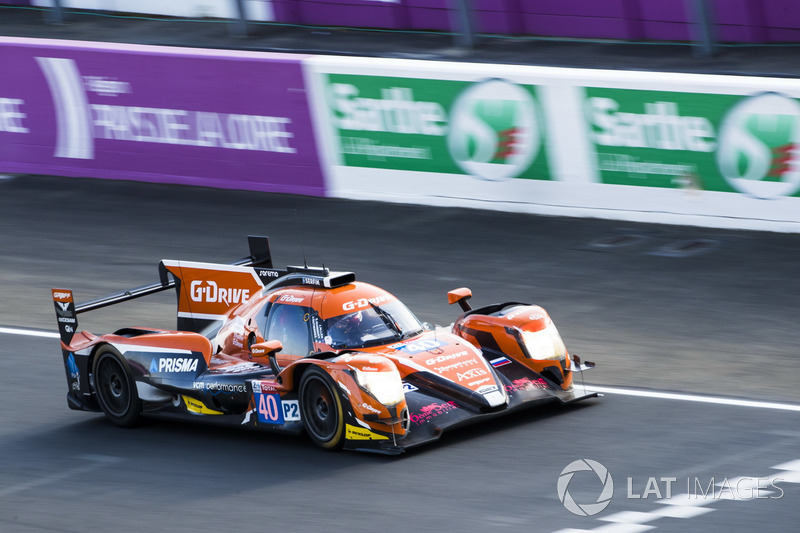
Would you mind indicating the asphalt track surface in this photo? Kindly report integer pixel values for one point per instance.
(696, 311)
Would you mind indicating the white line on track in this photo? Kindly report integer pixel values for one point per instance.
(694, 398)
(29, 332)
(91, 462)
(597, 388)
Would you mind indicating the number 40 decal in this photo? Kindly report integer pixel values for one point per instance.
(272, 410)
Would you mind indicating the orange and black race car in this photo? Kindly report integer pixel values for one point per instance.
(309, 350)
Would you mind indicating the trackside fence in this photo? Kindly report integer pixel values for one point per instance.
(707, 150)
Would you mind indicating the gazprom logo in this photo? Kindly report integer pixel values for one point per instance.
(494, 130)
(759, 146)
(74, 138)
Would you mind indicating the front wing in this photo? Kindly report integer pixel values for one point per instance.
(432, 414)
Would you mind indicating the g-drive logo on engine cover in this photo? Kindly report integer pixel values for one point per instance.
(210, 292)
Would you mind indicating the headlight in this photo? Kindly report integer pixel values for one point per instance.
(544, 344)
(386, 387)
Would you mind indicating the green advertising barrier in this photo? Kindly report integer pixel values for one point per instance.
(491, 129)
(675, 148)
(712, 142)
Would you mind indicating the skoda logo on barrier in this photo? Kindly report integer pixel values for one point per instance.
(759, 146)
(494, 130)
(585, 509)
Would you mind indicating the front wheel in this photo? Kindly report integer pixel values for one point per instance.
(321, 408)
(116, 389)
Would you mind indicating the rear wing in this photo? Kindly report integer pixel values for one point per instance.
(207, 292)
(67, 310)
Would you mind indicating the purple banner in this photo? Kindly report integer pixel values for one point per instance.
(225, 119)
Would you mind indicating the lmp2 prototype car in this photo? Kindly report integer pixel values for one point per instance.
(310, 350)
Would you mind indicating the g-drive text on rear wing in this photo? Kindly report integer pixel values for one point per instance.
(67, 310)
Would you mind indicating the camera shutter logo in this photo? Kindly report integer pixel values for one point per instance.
(585, 509)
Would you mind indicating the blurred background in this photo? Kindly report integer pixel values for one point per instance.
(645, 193)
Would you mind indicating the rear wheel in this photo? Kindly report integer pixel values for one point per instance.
(321, 408)
(116, 389)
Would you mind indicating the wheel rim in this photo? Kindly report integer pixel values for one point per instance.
(320, 409)
(112, 386)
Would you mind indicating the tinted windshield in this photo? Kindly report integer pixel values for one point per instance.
(371, 326)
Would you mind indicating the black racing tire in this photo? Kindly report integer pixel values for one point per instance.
(321, 408)
(116, 389)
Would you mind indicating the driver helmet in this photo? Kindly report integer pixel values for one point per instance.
(347, 329)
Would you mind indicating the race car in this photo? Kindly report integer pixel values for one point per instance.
(310, 350)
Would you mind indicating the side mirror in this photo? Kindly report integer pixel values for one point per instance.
(461, 296)
(267, 349)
